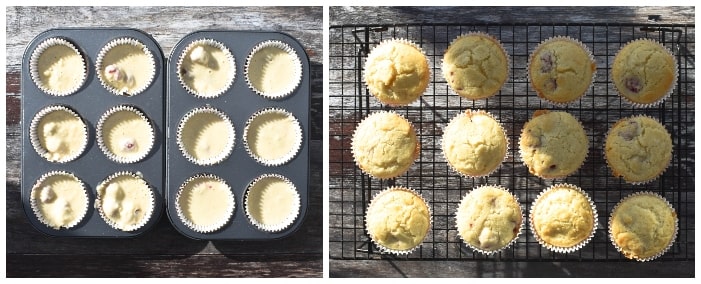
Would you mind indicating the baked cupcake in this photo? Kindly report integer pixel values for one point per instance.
(474, 143)
(475, 65)
(206, 68)
(643, 226)
(125, 201)
(489, 219)
(272, 202)
(644, 72)
(58, 134)
(638, 149)
(561, 70)
(206, 136)
(124, 134)
(57, 67)
(553, 144)
(273, 136)
(396, 72)
(398, 220)
(59, 200)
(273, 69)
(205, 203)
(563, 218)
(385, 145)
(125, 66)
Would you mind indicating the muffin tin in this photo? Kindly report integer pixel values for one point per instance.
(90, 101)
(239, 102)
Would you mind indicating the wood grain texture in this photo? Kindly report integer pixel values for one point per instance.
(162, 251)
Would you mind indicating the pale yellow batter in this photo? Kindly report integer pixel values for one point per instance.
(125, 202)
(59, 200)
(274, 71)
(206, 203)
(272, 203)
(62, 136)
(127, 68)
(61, 69)
(127, 136)
(274, 137)
(207, 137)
(207, 70)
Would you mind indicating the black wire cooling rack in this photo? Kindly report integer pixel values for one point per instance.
(349, 102)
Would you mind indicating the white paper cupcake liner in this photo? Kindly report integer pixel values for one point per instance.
(503, 50)
(503, 130)
(610, 167)
(671, 88)
(518, 234)
(287, 222)
(109, 46)
(286, 157)
(381, 247)
(34, 67)
(577, 246)
(230, 76)
(561, 38)
(101, 135)
(521, 154)
(417, 151)
(146, 215)
(211, 227)
(230, 139)
(35, 205)
(407, 42)
(36, 143)
(296, 74)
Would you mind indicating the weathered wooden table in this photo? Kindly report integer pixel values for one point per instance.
(355, 30)
(162, 251)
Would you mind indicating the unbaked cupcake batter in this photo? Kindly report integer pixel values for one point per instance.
(206, 69)
(62, 134)
(206, 135)
(273, 136)
(272, 70)
(127, 68)
(60, 200)
(127, 135)
(272, 202)
(206, 202)
(61, 69)
(126, 201)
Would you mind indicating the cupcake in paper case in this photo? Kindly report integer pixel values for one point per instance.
(125, 66)
(644, 72)
(563, 218)
(59, 200)
(475, 65)
(398, 220)
(206, 68)
(125, 135)
(125, 201)
(561, 70)
(643, 226)
(385, 145)
(474, 143)
(273, 69)
(489, 219)
(273, 136)
(206, 136)
(553, 144)
(397, 72)
(57, 67)
(58, 134)
(205, 203)
(638, 149)
(272, 203)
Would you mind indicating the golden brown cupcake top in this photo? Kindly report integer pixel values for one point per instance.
(475, 65)
(396, 72)
(474, 143)
(398, 220)
(561, 69)
(644, 72)
(563, 218)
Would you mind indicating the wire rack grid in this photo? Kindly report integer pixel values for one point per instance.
(350, 190)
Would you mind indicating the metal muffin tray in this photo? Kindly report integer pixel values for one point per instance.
(90, 102)
(238, 102)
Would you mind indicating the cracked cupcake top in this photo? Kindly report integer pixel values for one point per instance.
(638, 149)
(644, 72)
(475, 66)
(474, 143)
(396, 72)
(398, 220)
(553, 144)
(561, 69)
(563, 218)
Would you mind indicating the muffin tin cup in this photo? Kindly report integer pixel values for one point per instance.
(295, 61)
(35, 205)
(277, 226)
(90, 101)
(36, 54)
(282, 159)
(100, 199)
(215, 44)
(239, 102)
(100, 68)
(36, 143)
